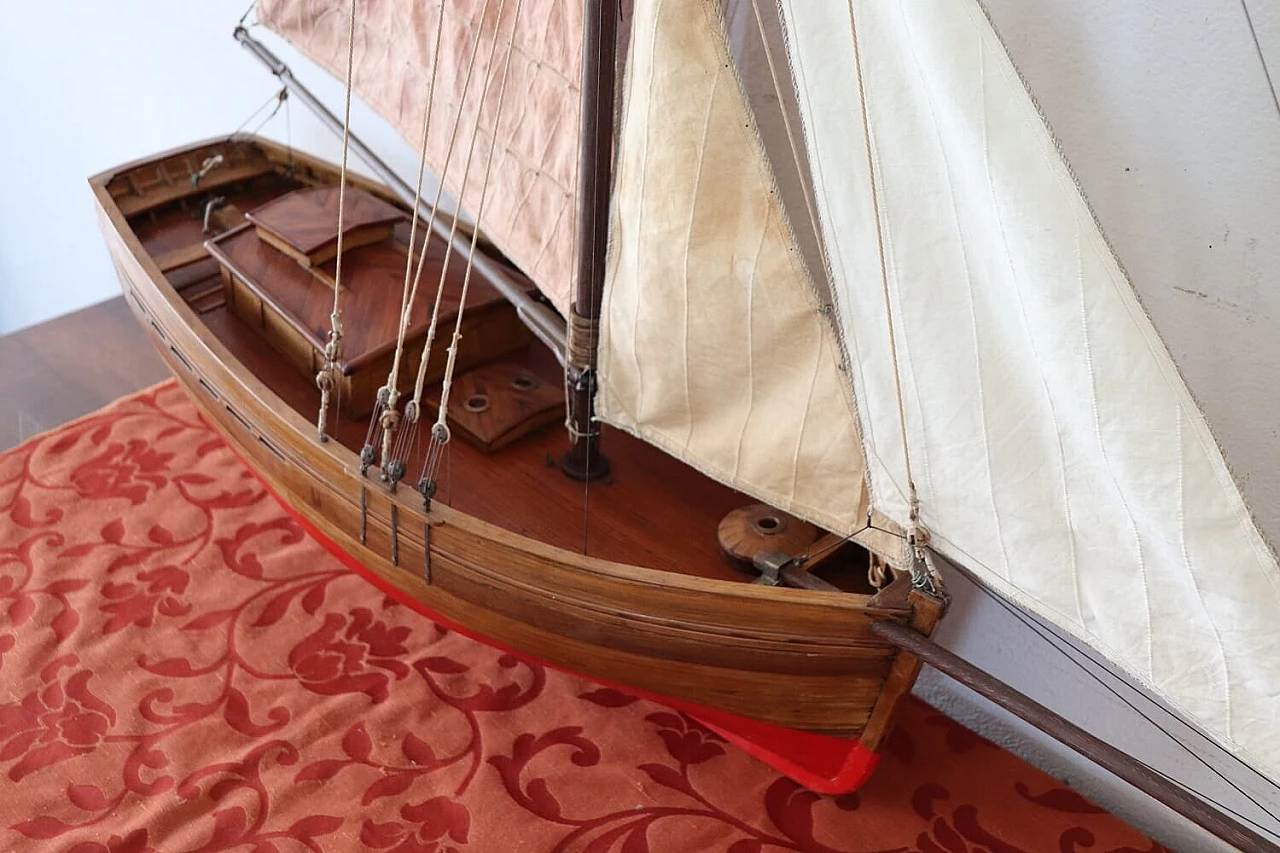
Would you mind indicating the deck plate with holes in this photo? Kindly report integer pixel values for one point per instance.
(495, 404)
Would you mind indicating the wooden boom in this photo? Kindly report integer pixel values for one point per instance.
(1098, 751)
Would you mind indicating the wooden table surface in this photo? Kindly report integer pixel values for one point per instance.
(69, 366)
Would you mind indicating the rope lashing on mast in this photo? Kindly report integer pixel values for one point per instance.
(440, 431)
(327, 377)
(386, 416)
(393, 461)
(583, 337)
(580, 349)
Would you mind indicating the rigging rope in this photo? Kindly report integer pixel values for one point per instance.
(776, 79)
(405, 438)
(1257, 45)
(278, 98)
(325, 379)
(1070, 651)
(924, 574)
(386, 415)
(791, 135)
(440, 431)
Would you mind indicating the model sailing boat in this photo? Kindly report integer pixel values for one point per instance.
(900, 329)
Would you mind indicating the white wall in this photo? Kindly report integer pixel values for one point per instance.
(1161, 106)
(106, 83)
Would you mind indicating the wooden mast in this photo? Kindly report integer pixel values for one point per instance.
(584, 461)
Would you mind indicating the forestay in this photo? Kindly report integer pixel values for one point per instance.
(533, 220)
(714, 342)
(1057, 452)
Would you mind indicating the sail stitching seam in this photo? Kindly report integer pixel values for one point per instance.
(913, 497)
(804, 419)
(908, 365)
(801, 90)
(832, 322)
(777, 222)
(1142, 318)
(1172, 377)
(389, 106)
(1118, 278)
(517, 211)
(1026, 324)
(700, 149)
(751, 357)
(973, 314)
(866, 434)
(862, 533)
(1069, 649)
(1057, 166)
(473, 23)
(632, 423)
(1041, 608)
(644, 174)
(1123, 287)
(791, 137)
(1106, 462)
(1195, 585)
(771, 229)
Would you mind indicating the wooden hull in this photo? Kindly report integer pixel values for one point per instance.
(743, 657)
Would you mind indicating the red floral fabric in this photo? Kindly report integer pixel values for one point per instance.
(182, 669)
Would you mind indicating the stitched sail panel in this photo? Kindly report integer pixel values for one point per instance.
(533, 216)
(1057, 452)
(713, 343)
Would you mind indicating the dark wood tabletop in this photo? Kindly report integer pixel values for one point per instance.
(69, 366)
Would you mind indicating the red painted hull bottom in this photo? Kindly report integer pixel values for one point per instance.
(821, 763)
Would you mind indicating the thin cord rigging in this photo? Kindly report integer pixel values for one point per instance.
(278, 98)
(792, 143)
(406, 437)
(440, 431)
(794, 146)
(325, 379)
(1070, 653)
(386, 415)
(924, 574)
(1257, 45)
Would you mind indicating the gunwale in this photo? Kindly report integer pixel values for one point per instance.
(701, 627)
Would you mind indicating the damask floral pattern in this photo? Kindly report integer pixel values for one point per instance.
(182, 669)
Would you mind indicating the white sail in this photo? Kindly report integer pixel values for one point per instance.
(533, 220)
(1057, 451)
(714, 344)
